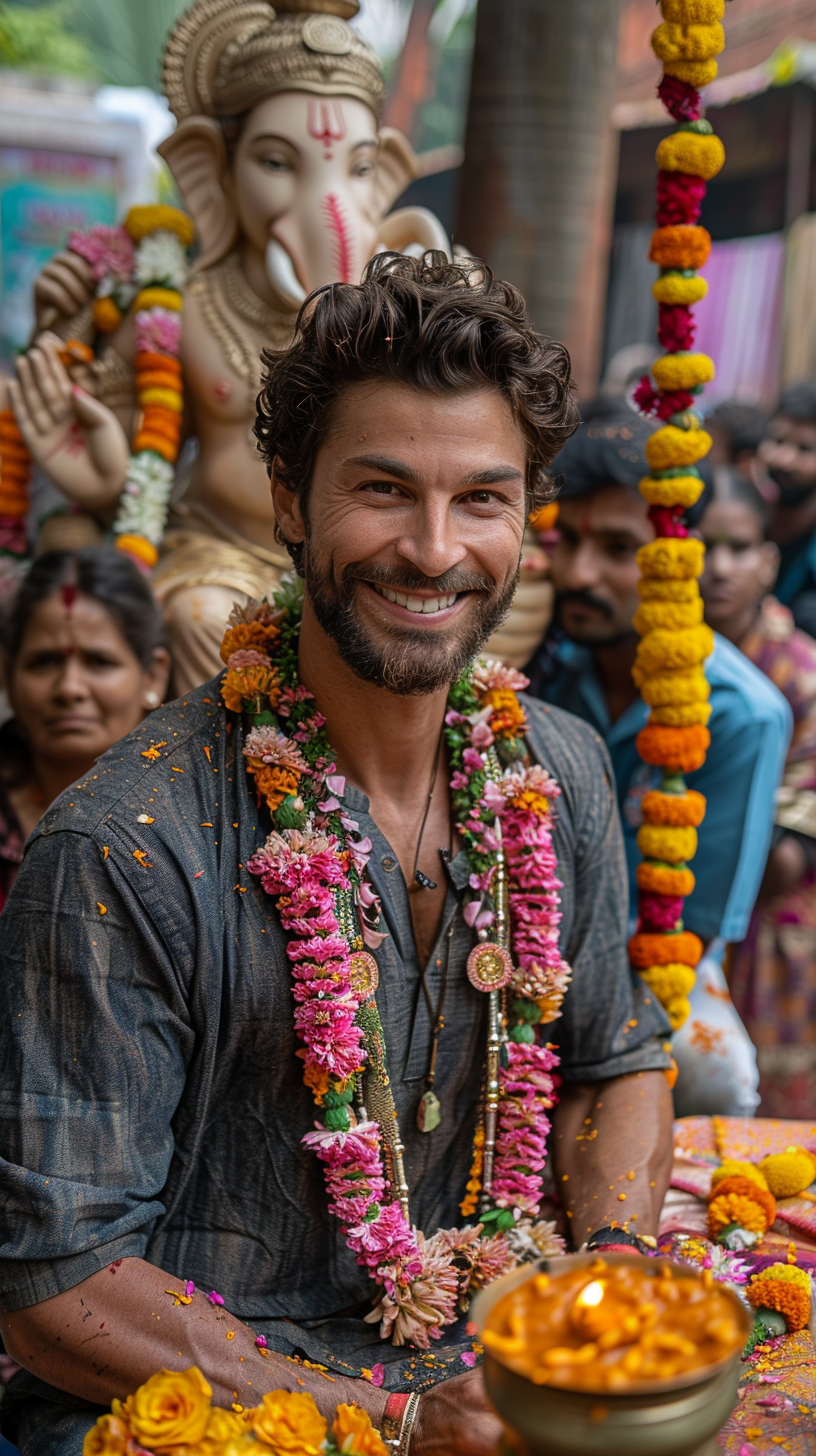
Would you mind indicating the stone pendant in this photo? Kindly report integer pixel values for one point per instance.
(429, 1112)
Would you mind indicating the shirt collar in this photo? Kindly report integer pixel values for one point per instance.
(580, 662)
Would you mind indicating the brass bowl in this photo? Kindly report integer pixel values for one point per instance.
(656, 1418)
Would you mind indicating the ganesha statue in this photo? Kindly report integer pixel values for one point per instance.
(137, 398)
(288, 179)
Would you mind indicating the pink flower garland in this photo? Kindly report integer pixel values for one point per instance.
(424, 1282)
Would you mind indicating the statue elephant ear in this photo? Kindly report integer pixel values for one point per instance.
(197, 157)
(397, 167)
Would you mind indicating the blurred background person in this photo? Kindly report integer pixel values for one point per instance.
(788, 454)
(772, 974)
(737, 430)
(84, 659)
(586, 667)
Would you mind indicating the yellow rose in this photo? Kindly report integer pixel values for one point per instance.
(171, 1409)
(290, 1423)
(109, 1437)
(354, 1434)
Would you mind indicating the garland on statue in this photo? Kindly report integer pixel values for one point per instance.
(314, 864)
(674, 640)
(144, 264)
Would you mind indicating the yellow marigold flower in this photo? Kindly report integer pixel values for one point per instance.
(109, 1437)
(672, 42)
(669, 651)
(670, 446)
(354, 1434)
(668, 616)
(729, 1208)
(694, 73)
(678, 1011)
(672, 689)
(786, 1289)
(107, 315)
(669, 556)
(682, 371)
(685, 151)
(252, 684)
(674, 289)
(693, 12)
(678, 490)
(732, 1168)
(655, 589)
(508, 719)
(169, 398)
(170, 1409)
(789, 1173)
(138, 546)
(672, 844)
(670, 982)
(681, 715)
(158, 217)
(169, 298)
(290, 1423)
(247, 636)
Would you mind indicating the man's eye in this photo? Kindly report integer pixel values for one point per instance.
(381, 487)
(482, 497)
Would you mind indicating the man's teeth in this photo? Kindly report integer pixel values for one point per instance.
(424, 605)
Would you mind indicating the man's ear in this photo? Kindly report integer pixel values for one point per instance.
(286, 505)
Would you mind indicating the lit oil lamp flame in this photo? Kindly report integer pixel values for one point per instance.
(591, 1295)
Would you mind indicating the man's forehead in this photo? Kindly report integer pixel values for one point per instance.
(612, 509)
(403, 422)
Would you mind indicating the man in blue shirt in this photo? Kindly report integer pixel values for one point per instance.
(586, 667)
(788, 453)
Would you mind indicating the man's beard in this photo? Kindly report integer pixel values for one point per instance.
(598, 638)
(791, 491)
(413, 662)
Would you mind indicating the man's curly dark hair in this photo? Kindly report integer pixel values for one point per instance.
(439, 326)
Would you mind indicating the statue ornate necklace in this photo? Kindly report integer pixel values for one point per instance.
(240, 322)
(314, 864)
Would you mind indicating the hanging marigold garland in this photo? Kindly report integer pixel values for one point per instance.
(674, 640)
(15, 473)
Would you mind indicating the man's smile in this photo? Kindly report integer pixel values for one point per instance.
(413, 602)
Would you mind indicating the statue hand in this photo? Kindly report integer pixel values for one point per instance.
(65, 286)
(77, 441)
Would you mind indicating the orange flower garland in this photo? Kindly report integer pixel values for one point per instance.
(15, 473)
(674, 639)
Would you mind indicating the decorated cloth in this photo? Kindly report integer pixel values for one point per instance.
(772, 974)
(11, 847)
(190, 1153)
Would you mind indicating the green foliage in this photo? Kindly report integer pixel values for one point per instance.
(127, 38)
(441, 119)
(41, 38)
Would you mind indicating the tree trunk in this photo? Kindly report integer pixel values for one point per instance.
(540, 161)
(410, 87)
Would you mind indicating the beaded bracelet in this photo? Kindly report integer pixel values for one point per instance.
(398, 1422)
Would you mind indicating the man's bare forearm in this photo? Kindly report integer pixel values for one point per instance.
(109, 1334)
(612, 1152)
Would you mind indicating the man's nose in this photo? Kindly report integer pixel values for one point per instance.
(71, 683)
(576, 570)
(719, 560)
(433, 542)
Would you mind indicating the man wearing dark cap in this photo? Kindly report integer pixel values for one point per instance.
(585, 666)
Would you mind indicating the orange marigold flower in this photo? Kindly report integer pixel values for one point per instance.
(274, 783)
(508, 719)
(530, 800)
(315, 1078)
(647, 950)
(661, 880)
(354, 1434)
(248, 636)
(678, 810)
(778, 1288)
(737, 1187)
(680, 246)
(679, 750)
(250, 684)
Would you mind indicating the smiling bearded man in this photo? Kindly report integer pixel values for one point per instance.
(286, 980)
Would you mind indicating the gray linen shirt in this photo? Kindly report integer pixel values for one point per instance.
(151, 1102)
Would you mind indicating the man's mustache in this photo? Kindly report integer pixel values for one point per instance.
(789, 487)
(402, 578)
(583, 599)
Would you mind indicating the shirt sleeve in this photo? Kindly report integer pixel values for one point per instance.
(611, 1024)
(739, 780)
(93, 1052)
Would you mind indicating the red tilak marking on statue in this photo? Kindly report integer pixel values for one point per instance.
(69, 594)
(333, 213)
(326, 122)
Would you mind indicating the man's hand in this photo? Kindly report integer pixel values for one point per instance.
(455, 1419)
(77, 441)
(64, 287)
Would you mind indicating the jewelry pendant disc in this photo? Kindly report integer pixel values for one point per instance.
(429, 1112)
(489, 966)
(364, 973)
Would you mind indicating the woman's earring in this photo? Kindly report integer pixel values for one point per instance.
(151, 699)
